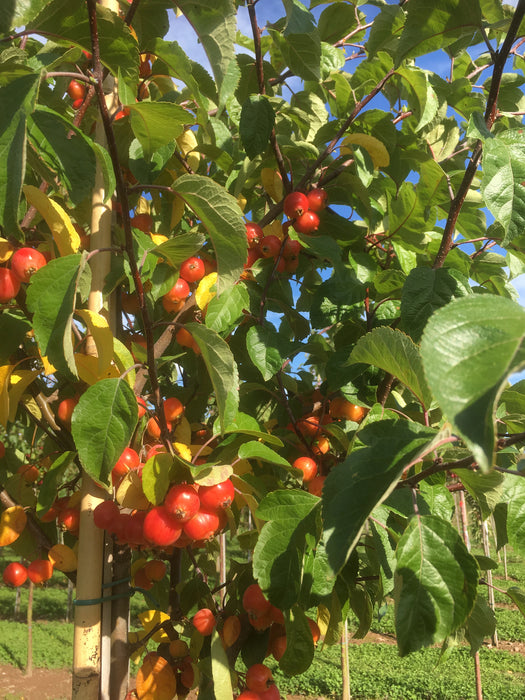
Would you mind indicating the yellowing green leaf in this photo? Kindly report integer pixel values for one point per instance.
(375, 148)
(60, 225)
(204, 293)
(98, 328)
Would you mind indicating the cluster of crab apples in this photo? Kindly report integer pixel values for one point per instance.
(22, 264)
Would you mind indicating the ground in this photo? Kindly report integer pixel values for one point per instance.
(55, 684)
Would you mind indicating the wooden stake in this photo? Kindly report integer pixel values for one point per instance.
(29, 665)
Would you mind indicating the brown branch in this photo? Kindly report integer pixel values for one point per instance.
(490, 116)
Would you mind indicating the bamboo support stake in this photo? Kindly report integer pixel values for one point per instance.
(486, 552)
(88, 623)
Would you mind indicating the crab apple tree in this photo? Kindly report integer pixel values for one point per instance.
(269, 300)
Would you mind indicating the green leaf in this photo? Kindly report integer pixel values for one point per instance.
(179, 248)
(222, 218)
(356, 486)
(220, 669)
(102, 425)
(225, 311)
(156, 478)
(300, 43)
(434, 26)
(384, 547)
(216, 26)
(517, 597)
(156, 124)
(69, 21)
(262, 343)
(514, 496)
(255, 127)
(247, 425)
(484, 488)
(299, 652)
(502, 181)
(256, 450)
(67, 149)
(481, 623)
(469, 348)
(435, 583)
(394, 352)
(51, 297)
(420, 95)
(17, 100)
(426, 290)
(278, 556)
(52, 481)
(222, 369)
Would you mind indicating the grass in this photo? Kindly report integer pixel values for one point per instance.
(376, 670)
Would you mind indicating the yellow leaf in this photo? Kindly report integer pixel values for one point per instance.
(5, 374)
(177, 211)
(149, 619)
(60, 225)
(274, 229)
(12, 524)
(242, 202)
(375, 148)
(182, 432)
(6, 250)
(183, 451)
(130, 493)
(20, 380)
(48, 367)
(203, 293)
(124, 360)
(323, 619)
(187, 142)
(273, 183)
(87, 368)
(99, 329)
(62, 557)
(158, 238)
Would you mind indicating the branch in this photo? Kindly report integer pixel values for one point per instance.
(126, 222)
(490, 117)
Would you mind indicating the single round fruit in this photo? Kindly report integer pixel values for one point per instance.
(77, 104)
(15, 574)
(295, 205)
(192, 270)
(178, 648)
(254, 234)
(29, 473)
(173, 409)
(217, 496)
(180, 291)
(291, 248)
(258, 677)
(317, 199)
(307, 223)
(140, 580)
(314, 629)
(253, 255)
(160, 528)
(106, 515)
(248, 695)
(129, 459)
(308, 466)
(144, 222)
(155, 569)
(9, 285)
(272, 693)
(308, 426)
(76, 90)
(254, 601)
(69, 519)
(142, 407)
(202, 526)
(321, 445)
(278, 647)
(204, 621)
(153, 428)
(65, 410)
(40, 570)
(341, 408)
(315, 486)
(182, 502)
(270, 246)
(231, 630)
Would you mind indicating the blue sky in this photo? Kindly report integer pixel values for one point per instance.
(270, 11)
